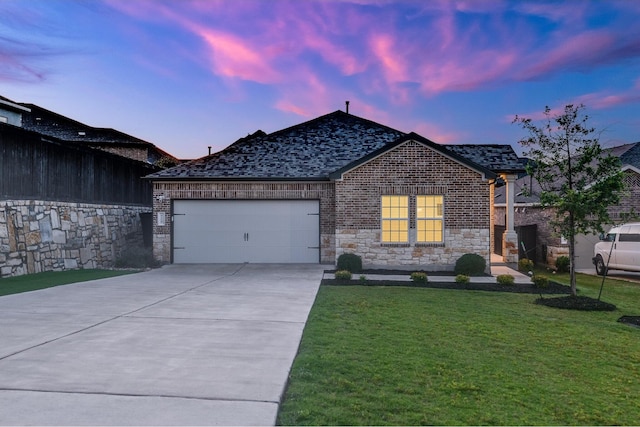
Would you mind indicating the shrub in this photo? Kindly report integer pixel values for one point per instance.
(562, 264)
(343, 275)
(350, 262)
(363, 278)
(470, 265)
(463, 279)
(136, 257)
(525, 264)
(505, 280)
(419, 277)
(540, 281)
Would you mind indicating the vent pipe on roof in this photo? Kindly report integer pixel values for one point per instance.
(347, 104)
(209, 150)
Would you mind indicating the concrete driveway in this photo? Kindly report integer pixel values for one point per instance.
(181, 345)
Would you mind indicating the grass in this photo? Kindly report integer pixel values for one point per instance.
(416, 356)
(34, 282)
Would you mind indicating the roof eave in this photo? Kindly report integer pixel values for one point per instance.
(236, 179)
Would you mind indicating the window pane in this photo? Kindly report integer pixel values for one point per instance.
(395, 207)
(429, 206)
(429, 230)
(395, 231)
(395, 219)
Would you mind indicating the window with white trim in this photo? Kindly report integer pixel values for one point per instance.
(395, 219)
(429, 219)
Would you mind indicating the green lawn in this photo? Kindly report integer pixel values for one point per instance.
(33, 282)
(416, 356)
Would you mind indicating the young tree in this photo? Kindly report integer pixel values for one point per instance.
(578, 180)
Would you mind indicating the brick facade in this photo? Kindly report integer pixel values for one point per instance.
(413, 169)
(350, 207)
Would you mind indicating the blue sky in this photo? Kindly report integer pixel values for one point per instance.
(186, 74)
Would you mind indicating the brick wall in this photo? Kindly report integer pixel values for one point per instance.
(37, 236)
(413, 169)
(165, 192)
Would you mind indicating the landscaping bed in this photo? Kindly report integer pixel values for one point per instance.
(433, 282)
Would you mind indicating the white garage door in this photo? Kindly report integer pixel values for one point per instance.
(236, 231)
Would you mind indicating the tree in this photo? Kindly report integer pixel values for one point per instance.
(577, 178)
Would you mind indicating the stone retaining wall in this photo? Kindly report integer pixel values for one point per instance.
(37, 236)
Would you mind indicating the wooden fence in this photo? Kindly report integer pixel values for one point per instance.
(33, 166)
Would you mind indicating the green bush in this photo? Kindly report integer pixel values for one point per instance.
(343, 275)
(525, 264)
(562, 264)
(363, 278)
(463, 279)
(419, 277)
(470, 265)
(505, 280)
(350, 262)
(540, 281)
(136, 257)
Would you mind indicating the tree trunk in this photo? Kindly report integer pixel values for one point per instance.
(572, 255)
(572, 264)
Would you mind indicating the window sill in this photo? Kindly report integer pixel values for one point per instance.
(430, 245)
(395, 245)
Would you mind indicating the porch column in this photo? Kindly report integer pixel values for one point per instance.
(510, 238)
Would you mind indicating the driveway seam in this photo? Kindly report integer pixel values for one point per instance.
(163, 396)
(128, 314)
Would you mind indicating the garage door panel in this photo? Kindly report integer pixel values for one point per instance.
(274, 231)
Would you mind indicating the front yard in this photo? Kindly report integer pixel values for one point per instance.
(416, 356)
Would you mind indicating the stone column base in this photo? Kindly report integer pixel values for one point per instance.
(510, 247)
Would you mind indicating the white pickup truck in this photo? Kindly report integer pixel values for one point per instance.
(623, 244)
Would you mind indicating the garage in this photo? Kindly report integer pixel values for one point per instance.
(238, 231)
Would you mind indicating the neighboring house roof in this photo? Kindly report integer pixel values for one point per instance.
(442, 149)
(10, 105)
(629, 155)
(315, 149)
(52, 124)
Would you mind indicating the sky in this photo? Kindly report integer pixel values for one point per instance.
(188, 74)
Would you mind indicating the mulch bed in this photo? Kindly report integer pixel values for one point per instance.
(529, 288)
(630, 320)
(577, 303)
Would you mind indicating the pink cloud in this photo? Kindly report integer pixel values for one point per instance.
(399, 51)
(234, 57)
(388, 56)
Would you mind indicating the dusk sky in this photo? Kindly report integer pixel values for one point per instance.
(188, 74)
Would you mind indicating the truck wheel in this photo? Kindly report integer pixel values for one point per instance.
(600, 267)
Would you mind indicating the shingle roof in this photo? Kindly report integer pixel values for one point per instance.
(53, 124)
(316, 149)
(311, 150)
(631, 156)
(497, 157)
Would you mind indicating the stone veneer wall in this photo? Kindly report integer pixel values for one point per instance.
(166, 191)
(37, 236)
(413, 169)
(366, 243)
